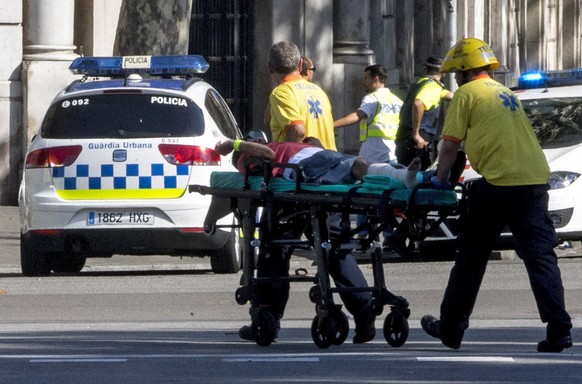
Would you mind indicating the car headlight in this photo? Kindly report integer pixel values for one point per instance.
(562, 179)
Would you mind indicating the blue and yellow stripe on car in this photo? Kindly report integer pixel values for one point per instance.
(120, 181)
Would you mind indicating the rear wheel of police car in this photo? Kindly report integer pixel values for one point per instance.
(72, 259)
(228, 258)
(33, 260)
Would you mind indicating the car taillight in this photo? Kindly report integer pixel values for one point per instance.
(189, 154)
(53, 157)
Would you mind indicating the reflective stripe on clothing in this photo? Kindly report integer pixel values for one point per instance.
(383, 122)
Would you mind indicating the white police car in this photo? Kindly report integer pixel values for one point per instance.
(553, 102)
(109, 169)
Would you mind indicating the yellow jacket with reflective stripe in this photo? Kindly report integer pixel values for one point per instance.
(385, 122)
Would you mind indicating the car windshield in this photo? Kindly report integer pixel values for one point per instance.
(557, 122)
(123, 115)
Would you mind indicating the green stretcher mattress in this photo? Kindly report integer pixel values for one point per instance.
(371, 185)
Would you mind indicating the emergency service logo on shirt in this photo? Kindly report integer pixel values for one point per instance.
(509, 101)
(314, 107)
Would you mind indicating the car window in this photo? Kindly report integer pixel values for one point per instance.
(123, 115)
(220, 113)
(557, 122)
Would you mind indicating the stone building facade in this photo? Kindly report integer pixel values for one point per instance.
(39, 38)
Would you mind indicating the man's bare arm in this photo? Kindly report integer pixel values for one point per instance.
(447, 157)
(350, 119)
(417, 113)
(246, 147)
(295, 132)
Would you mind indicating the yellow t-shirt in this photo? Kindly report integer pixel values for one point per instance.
(499, 139)
(431, 94)
(298, 100)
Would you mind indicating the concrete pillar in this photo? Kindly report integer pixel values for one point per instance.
(351, 55)
(48, 32)
(48, 51)
(10, 100)
(351, 28)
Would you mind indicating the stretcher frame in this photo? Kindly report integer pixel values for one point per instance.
(330, 325)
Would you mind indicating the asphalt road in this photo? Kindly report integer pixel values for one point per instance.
(167, 320)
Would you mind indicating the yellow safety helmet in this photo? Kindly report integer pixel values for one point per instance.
(467, 54)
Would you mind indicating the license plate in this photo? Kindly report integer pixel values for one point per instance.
(120, 218)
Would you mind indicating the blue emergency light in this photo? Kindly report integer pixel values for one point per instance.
(557, 78)
(121, 66)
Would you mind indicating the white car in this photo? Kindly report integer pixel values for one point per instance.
(109, 169)
(556, 115)
(553, 102)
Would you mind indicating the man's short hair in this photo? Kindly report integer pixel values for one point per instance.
(377, 70)
(284, 57)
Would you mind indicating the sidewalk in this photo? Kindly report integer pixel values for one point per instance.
(9, 220)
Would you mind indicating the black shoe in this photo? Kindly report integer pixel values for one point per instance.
(248, 332)
(432, 326)
(365, 326)
(364, 335)
(555, 345)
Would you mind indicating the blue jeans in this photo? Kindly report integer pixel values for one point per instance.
(524, 209)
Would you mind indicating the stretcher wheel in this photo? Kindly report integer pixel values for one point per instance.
(210, 228)
(241, 295)
(342, 327)
(396, 329)
(314, 294)
(323, 332)
(377, 306)
(265, 328)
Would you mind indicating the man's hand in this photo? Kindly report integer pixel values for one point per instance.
(439, 184)
(420, 143)
(224, 147)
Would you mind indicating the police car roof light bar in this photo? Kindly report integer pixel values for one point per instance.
(122, 66)
(555, 78)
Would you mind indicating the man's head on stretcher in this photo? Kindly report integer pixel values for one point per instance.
(319, 165)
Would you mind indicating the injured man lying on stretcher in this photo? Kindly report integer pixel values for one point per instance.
(318, 166)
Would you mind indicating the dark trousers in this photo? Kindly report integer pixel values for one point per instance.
(406, 151)
(525, 210)
(274, 263)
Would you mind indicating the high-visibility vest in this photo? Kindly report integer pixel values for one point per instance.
(385, 122)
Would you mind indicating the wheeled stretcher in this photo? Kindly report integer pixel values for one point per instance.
(378, 198)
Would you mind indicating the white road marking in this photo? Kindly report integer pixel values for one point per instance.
(78, 360)
(467, 359)
(510, 357)
(271, 359)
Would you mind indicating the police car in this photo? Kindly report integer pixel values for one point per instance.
(553, 102)
(109, 169)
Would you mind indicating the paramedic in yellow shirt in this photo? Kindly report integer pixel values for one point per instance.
(513, 192)
(299, 108)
